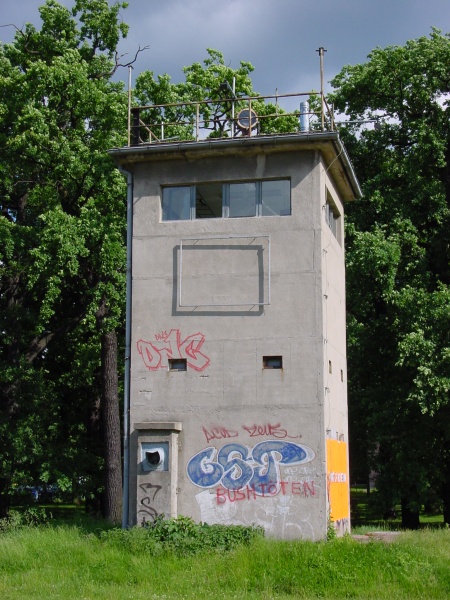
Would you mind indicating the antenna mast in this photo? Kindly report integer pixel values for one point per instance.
(321, 52)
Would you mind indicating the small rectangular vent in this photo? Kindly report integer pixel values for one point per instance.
(272, 362)
(177, 364)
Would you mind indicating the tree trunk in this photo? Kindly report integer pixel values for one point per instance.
(446, 493)
(9, 395)
(112, 509)
(410, 518)
(94, 497)
(5, 498)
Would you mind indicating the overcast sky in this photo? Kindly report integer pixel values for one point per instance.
(279, 37)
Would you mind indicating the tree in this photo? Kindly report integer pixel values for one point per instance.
(398, 250)
(211, 81)
(62, 255)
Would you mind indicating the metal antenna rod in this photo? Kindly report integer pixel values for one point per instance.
(129, 104)
(321, 52)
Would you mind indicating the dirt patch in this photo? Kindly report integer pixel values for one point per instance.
(377, 536)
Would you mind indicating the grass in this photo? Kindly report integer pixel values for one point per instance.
(67, 562)
(365, 514)
(78, 557)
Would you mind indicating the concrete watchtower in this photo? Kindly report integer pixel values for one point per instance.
(238, 395)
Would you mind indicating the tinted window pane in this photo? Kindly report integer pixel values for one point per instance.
(242, 199)
(208, 201)
(276, 197)
(176, 203)
(332, 217)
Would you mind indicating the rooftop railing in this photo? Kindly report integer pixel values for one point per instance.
(230, 118)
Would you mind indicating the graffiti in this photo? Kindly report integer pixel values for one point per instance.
(155, 356)
(279, 515)
(337, 482)
(268, 430)
(303, 471)
(219, 433)
(161, 336)
(342, 526)
(337, 477)
(294, 488)
(147, 501)
(236, 466)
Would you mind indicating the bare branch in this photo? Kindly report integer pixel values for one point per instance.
(117, 64)
(128, 64)
(27, 37)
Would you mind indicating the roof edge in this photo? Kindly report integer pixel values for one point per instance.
(338, 157)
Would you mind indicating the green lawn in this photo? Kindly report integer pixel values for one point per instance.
(66, 562)
(78, 557)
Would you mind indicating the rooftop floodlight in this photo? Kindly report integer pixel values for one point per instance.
(247, 120)
(226, 87)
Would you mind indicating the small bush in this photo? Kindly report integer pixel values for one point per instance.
(30, 517)
(182, 536)
(331, 531)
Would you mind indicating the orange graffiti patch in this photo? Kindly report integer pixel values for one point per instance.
(338, 480)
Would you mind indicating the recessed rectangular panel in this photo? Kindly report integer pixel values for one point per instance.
(224, 271)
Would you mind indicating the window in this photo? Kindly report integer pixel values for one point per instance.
(272, 362)
(176, 203)
(276, 197)
(177, 364)
(208, 201)
(333, 218)
(242, 200)
(227, 200)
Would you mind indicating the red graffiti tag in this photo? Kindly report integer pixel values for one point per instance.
(155, 356)
(219, 433)
(295, 488)
(161, 336)
(268, 430)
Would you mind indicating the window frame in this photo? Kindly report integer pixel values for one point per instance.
(333, 218)
(226, 189)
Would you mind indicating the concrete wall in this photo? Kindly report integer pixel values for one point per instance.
(247, 444)
(335, 366)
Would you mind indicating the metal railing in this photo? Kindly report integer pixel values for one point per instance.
(229, 117)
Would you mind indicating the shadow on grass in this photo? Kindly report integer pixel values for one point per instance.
(365, 514)
(69, 515)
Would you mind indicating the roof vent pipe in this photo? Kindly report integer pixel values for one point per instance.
(304, 116)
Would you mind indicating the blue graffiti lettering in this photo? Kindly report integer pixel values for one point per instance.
(203, 471)
(237, 472)
(236, 466)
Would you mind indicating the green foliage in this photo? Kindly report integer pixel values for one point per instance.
(203, 83)
(62, 228)
(182, 536)
(272, 118)
(398, 241)
(30, 517)
(331, 531)
(50, 563)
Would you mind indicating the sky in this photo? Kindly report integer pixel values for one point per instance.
(279, 37)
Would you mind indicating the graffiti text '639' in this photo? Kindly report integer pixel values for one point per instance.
(236, 466)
